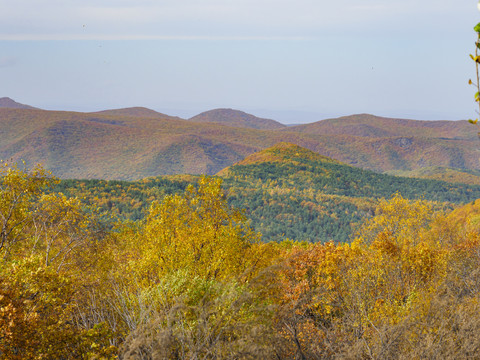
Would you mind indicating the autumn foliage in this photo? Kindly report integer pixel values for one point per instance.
(194, 281)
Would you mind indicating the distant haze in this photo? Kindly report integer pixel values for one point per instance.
(294, 61)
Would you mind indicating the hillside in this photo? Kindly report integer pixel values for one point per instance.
(398, 144)
(6, 102)
(80, 145)
(141, 112)
(471, 177)
(280, 153)
(291, 191)
(371, 126)
(292, 166)
(192, 280)
(135, 143)
(285, 191)
(236, 118)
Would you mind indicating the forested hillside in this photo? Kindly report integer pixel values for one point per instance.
(193, 280)
(135, 143)
(285, 191)
(133, 234)
(291, 191)
(462, 176)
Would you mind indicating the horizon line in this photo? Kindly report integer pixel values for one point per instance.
(101, 37)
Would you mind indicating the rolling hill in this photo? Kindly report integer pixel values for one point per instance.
(291, 191)
(285, 191)
(83, 145)
(398, 144)
(135, 112)
(298, 168)
(371, 126)
(236, 118)
(6, 102)
(135, 143)
(471, 177)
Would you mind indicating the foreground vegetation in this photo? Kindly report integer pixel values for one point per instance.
(193, 280)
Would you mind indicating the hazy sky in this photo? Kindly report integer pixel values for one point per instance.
(292, 60)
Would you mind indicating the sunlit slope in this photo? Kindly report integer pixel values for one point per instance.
(290, 165)
(471, 177)
(291, 191)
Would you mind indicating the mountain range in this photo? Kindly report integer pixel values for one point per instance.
(135, 143)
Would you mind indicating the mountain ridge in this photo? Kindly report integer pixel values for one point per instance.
(236, 118)
(136, 111)
(6, 102)
(372, 126)
(129, 147)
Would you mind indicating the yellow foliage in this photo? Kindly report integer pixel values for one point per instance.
(377, 278)
(197, 232)
(399, 219)
(195, 268)
(36, 313)
(18, 191)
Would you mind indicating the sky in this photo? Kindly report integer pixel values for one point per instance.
(295, 61)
